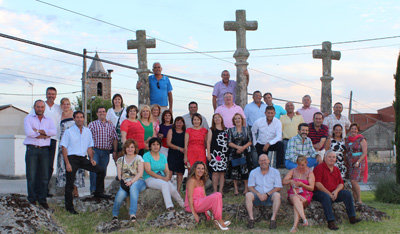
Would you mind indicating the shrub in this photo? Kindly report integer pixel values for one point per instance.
(388, 191)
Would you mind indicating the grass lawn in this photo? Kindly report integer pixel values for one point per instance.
(87, 222)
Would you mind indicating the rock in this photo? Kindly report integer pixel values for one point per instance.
(113, 187)
(19, 216)
(114, 225)
(176, 219)
(86, 203)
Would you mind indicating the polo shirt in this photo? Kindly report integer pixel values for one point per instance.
(253, 112)
(265, 183)
(75, 142)
(290, 125)
(279, 111)
(228, 113)
(315, 135)
(329, 179)
(157, 166)
(159, 95)
(308, 113)
(220, 89)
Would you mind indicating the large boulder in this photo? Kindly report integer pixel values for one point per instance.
(20, 216)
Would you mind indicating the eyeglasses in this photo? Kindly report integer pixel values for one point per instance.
(158, 85)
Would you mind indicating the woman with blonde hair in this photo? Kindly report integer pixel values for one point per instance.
(146, 120)
(302, 181)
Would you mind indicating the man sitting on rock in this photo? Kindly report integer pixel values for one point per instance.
(264, 185)
(329, 189)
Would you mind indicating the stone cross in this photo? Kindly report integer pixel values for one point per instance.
(241, 54)
(326, 54)
(141, 44)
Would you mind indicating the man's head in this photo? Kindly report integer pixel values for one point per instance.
(306, 101)
(303, 130)
(39, 107)
(270, 112)
(51, 94)
(101, 113)
(193, 108)
(289, 107)
(225, 76)
(318, 119)
(257, 97)
(228, 99)
(79, 118)
(337, 108)
(268, 99)
(157, 68)
(330, 158)
(263, 161)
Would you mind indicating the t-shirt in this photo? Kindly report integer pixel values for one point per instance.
(330, 180)
(315, 135)
(128, 171)
(157, 166)
(159, 90)
(135, 131)
(148, 130)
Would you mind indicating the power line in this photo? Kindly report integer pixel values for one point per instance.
(47, 81)
(36, 94)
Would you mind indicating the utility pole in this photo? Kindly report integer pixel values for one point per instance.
(350, 105)
(84, 75)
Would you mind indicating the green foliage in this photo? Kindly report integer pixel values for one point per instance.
(397, 119)
(388, 191)
(92, 106)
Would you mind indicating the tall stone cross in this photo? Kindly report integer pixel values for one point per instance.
(241, 54)
(326, 54)
(141, 44)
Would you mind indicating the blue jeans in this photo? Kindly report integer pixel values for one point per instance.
(37, 173)
(326, 202)
(102, 158)
(311, 162)
(134, 191)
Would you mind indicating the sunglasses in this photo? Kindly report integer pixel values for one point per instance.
(158, 85)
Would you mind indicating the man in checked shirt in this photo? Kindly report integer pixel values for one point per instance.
(105, 141)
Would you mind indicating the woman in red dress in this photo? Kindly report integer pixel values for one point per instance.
(195, 142)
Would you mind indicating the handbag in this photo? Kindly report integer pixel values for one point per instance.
(122, 181)
(238, 161)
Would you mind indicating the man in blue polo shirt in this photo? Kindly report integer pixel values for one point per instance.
(160, 88)
(278, 109)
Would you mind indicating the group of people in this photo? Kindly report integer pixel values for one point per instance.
(149, 146)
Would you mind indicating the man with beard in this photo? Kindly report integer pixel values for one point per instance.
(301, 145)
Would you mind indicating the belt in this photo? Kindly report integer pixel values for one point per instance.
(38, 147)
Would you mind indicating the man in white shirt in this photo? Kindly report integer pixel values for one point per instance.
(337, 118)
(76, 142)
(267, 136)
(193, 108)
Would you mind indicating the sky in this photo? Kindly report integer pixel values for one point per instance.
(366, 68)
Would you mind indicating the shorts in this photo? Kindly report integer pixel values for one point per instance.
(257, 201)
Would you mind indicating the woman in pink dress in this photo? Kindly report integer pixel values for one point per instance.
(195, 142)
(196, 200)
(301, 181)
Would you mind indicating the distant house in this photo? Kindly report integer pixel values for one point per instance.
(12, 120)
(366, 120)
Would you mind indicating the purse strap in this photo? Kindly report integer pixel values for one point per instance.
(120, 116)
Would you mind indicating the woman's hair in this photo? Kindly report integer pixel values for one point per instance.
(355, 124)
(333, 130)
(213, 125)
(192, 172)
(154, 139)
(156, 106)
(179, 118)
(64, 99)
(233, 119)
(198, 116)
(145, 107)
(301, 159)
(129, 109)
(163, 115)
(115, 96)
(128, 143)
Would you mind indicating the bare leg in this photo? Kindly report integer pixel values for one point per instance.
(245, 187)
(298, 205)
(296, 220)
(235, 186)
(221, 181)
(179, 178)
(356, 191)
(276, 203)
(215, 181)
(249, 204)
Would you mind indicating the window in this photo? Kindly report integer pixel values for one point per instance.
(99, 89)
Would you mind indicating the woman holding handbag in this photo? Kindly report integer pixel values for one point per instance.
(116, 115)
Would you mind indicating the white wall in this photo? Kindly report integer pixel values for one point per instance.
(12, 121)
(12, 159)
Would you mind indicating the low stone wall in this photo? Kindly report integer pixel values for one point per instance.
(377, 171)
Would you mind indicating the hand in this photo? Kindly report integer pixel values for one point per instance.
(239, 151)
(298, 184)
(334, 195)
(160, 135)
(181, 149)
(68, 167)
(138, 85)
(115, 156)
(42, 132)
(262, 197)
(292, 183)
(208, 158)
(166, 179)
(265, 148)
(357, 164)
(34, 129)
(93, 162)
(196, 217)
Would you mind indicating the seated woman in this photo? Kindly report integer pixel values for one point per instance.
(302, 181)
(130, 172)
(196, 200)
(157, 175)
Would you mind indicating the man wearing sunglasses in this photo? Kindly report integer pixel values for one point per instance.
(160, 88)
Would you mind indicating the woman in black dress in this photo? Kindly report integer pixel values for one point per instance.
(217, 148)
(176, 149)
(239, 140)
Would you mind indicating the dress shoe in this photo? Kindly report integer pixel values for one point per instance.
(34, 203)
(44, 205)
(250, 224)
(354, 220)
(50, 195)
(272, 224)
(332, 226)
(102, 195)
(72, 211)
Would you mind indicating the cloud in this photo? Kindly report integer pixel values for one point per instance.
(192, 44)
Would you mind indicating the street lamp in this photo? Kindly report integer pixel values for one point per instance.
(91, 112)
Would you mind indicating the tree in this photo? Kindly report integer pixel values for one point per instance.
(92, 105)
(397, 119)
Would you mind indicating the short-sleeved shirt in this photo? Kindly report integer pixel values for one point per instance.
(308, 113)
(75, 142)
(135, 131)
(279, 111)
(128, 171)
(329, 179)
(254, 112)
(265, 183)
(290, 125)
(315, 135)
(220, 89)
(157, 166)
(159, 93)
(228, 113)
(332, 120)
